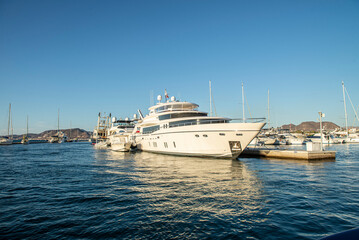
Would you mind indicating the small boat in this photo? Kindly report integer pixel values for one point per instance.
(59, 137)
(7, 140)
(119, 135)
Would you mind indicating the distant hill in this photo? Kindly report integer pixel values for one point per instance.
(73, 133)
(310, 126)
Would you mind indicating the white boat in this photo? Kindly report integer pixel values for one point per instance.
(326, 139)
(102, 145)
(119, 135)
(178, 128)
(59, 137)
(7, 140)
(350, 137)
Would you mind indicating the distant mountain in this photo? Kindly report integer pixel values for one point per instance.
(310, 126)
(70, 133)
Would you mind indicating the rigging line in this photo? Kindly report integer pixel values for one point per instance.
(356, 115)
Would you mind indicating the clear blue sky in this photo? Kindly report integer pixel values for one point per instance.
(85, 57)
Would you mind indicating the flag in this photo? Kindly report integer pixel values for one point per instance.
(166, 95)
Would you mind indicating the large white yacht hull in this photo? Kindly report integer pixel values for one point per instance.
(222, 140)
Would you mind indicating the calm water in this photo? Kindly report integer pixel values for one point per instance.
(70, 190)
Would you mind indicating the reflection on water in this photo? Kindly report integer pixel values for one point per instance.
(187, 189)
(73, 191)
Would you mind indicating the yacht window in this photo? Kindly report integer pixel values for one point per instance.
(166, 145)
(205, 135)
(222, 134)
(183, 123)
(181, 115)
(197, 135)
(239, 134)
(150, 129)
(154, 144)
(174, 144)
(210, 121)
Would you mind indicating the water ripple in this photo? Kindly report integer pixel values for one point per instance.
(61, 191)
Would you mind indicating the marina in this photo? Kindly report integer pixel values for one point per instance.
(179, 120)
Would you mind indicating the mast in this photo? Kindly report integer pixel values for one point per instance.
(268, 121)
(210, 98)
(8, 122)
(27, 125)
(244, 118)
(58, 120)
(345, 110)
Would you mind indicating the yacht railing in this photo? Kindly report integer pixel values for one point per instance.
(214, 121)
(248, 120)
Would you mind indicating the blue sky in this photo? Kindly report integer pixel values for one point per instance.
(85, 57)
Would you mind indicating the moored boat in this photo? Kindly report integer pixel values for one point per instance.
(178, 128)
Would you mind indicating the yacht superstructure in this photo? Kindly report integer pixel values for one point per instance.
(178, 128)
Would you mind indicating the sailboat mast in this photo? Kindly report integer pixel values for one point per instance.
(58, 120)
(345, 110)
(8, 122)
(268, 122)
(210, 98)
(244, 118)
(27, 125)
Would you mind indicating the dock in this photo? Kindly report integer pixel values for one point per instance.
(288, 154)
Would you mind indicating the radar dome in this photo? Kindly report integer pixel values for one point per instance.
(159, 98)
(173, 98)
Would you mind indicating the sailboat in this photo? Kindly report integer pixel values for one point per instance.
(350, 137)
(8, 140)
(59, 137)
(25, 139)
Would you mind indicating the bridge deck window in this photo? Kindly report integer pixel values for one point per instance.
(152, 129)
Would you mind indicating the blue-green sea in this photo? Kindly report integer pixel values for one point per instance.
(72, 191)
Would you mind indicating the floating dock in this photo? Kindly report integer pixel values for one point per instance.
(288, 154)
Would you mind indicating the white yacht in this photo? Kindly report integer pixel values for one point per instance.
(178, 128)
(59, 137)
(119, 135)
(5, 141)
